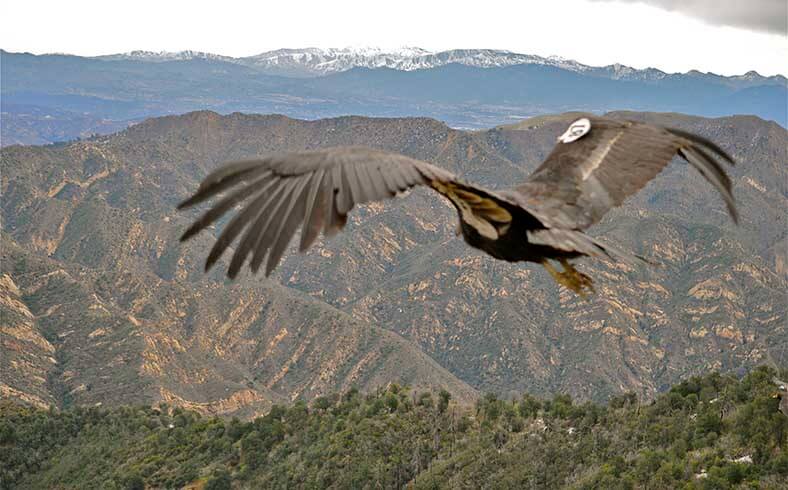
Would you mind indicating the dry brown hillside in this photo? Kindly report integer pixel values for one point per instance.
(100, 303)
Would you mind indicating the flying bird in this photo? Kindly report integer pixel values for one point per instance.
(596, 163)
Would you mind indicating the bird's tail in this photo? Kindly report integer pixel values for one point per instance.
(577, 241)
(614, 252)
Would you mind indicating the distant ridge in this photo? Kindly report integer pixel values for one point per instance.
(48, 98)
(157, 56)
(311, 62)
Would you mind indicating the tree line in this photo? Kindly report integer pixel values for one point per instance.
(714, 431)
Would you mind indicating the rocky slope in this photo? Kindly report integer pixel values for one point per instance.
(81, 335)
(93, 271)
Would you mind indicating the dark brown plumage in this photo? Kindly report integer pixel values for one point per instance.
(595, 165)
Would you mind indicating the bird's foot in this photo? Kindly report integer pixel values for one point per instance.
(571, 278)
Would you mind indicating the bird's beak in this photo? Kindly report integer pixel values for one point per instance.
(458, 230)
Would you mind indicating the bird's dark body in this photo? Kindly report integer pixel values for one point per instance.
(513, 245)
(593, 167)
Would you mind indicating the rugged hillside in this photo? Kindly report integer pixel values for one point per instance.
(100, 305)
(126, 336)
(102, 211)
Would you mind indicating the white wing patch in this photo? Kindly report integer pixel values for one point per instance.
(597, 156)
(576, 130)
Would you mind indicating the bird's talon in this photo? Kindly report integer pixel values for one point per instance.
(571, 278)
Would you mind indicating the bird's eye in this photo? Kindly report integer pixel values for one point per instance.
(576, 130)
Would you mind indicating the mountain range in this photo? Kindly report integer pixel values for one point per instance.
(102, 305)
(313, 62)
(50, 98)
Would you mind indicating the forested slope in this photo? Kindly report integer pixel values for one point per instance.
(714, 431)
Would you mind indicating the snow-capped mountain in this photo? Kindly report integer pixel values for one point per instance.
(314, 62)
(497, 88)
(159, 56)
(310, 62)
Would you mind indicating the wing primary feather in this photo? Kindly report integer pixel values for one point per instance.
(413, 176)
(397, 173)
(225, 205)
(229, 169)
(714, 165)
(344, 198)
(381, 190)
(277, 220)
(332, 197)
(334, 220)
(236, 226)
(313, 189)
(292, 218)
(428, 173)
(356, 187)
(389, 180)
(365, 182)
(372, 178)
(258, 226)
(205, 193)
(348, 196)
(703, 142)
(712, 172)
(313, 212)
(424, 173)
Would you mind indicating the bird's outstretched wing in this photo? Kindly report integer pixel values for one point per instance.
(599, 162)
(316, 190)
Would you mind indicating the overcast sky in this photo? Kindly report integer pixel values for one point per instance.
(723, 36)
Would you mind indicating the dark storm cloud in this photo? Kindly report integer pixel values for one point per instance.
(757, 15)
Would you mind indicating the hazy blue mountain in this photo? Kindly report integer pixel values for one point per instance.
(465, 88)
(313, 62)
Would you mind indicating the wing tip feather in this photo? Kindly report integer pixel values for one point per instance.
(705, 143)
(714, 173)
(350, 183)
(187, 235)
